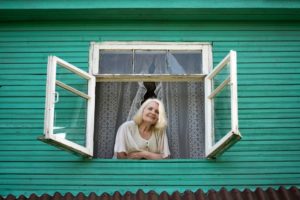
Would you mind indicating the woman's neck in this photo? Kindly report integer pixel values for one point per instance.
(145, 130)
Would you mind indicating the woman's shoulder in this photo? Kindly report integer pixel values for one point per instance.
(160, 133)
(128, 124)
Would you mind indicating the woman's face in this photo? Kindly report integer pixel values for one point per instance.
(150, 113)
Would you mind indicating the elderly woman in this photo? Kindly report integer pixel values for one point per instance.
(144, 137)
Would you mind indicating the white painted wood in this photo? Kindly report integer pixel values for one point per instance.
(94, 58)
(71, 89)
(211, 148)
(209, 113)
(86, 150)
(151, 45)
(90, 116)
(234, 97)
(206, 59)
(219, 88)
(50, 97)
(72, 68)
(149, 77)
(219, 67)
(217, 147)
(69, 145)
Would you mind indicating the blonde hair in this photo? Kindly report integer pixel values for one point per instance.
(161, 123)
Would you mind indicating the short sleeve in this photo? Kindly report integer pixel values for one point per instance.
(165, 146)
(124, 141)
(120, 140)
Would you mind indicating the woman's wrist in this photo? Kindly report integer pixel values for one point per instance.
(152, 156)
(146, 154)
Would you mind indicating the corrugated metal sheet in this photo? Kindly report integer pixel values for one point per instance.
(259, 194)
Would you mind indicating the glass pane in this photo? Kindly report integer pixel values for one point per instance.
(222, 113)
(70, 116)
(150, 62)
(184, 62)
(221, 76)
(71, 79)
(115, 62)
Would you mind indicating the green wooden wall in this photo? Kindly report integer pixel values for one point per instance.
(269, 109)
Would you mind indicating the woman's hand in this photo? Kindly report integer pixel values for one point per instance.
(122, 155)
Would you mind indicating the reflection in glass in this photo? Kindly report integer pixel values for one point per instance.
(222, 113)
(70, 117)
(71, 79)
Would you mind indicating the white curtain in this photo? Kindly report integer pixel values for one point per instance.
(184, 102)
(114, 101)
(185, 112)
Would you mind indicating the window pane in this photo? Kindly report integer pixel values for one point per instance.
(115, 62)
(222, 113)
(70, 116)
(150, 62)
(71, 79)
(185, 62)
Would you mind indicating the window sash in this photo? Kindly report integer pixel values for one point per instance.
(49, 136)
(182, 46)
(213, 150)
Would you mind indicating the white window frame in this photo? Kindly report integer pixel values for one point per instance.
(212, 150)
(52, 97)
(205, 48)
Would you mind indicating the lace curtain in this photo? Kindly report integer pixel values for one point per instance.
(184, 103)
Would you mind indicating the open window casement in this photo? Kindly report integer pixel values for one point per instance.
(221, 107)
(69, 110)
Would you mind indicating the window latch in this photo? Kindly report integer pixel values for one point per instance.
(56, 97)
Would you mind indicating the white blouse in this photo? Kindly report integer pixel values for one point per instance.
(129, 140)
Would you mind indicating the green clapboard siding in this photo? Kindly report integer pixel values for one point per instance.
(269, 109)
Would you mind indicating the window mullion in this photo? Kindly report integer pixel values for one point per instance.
(219, 88)
(71, 89)
(149, 77)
